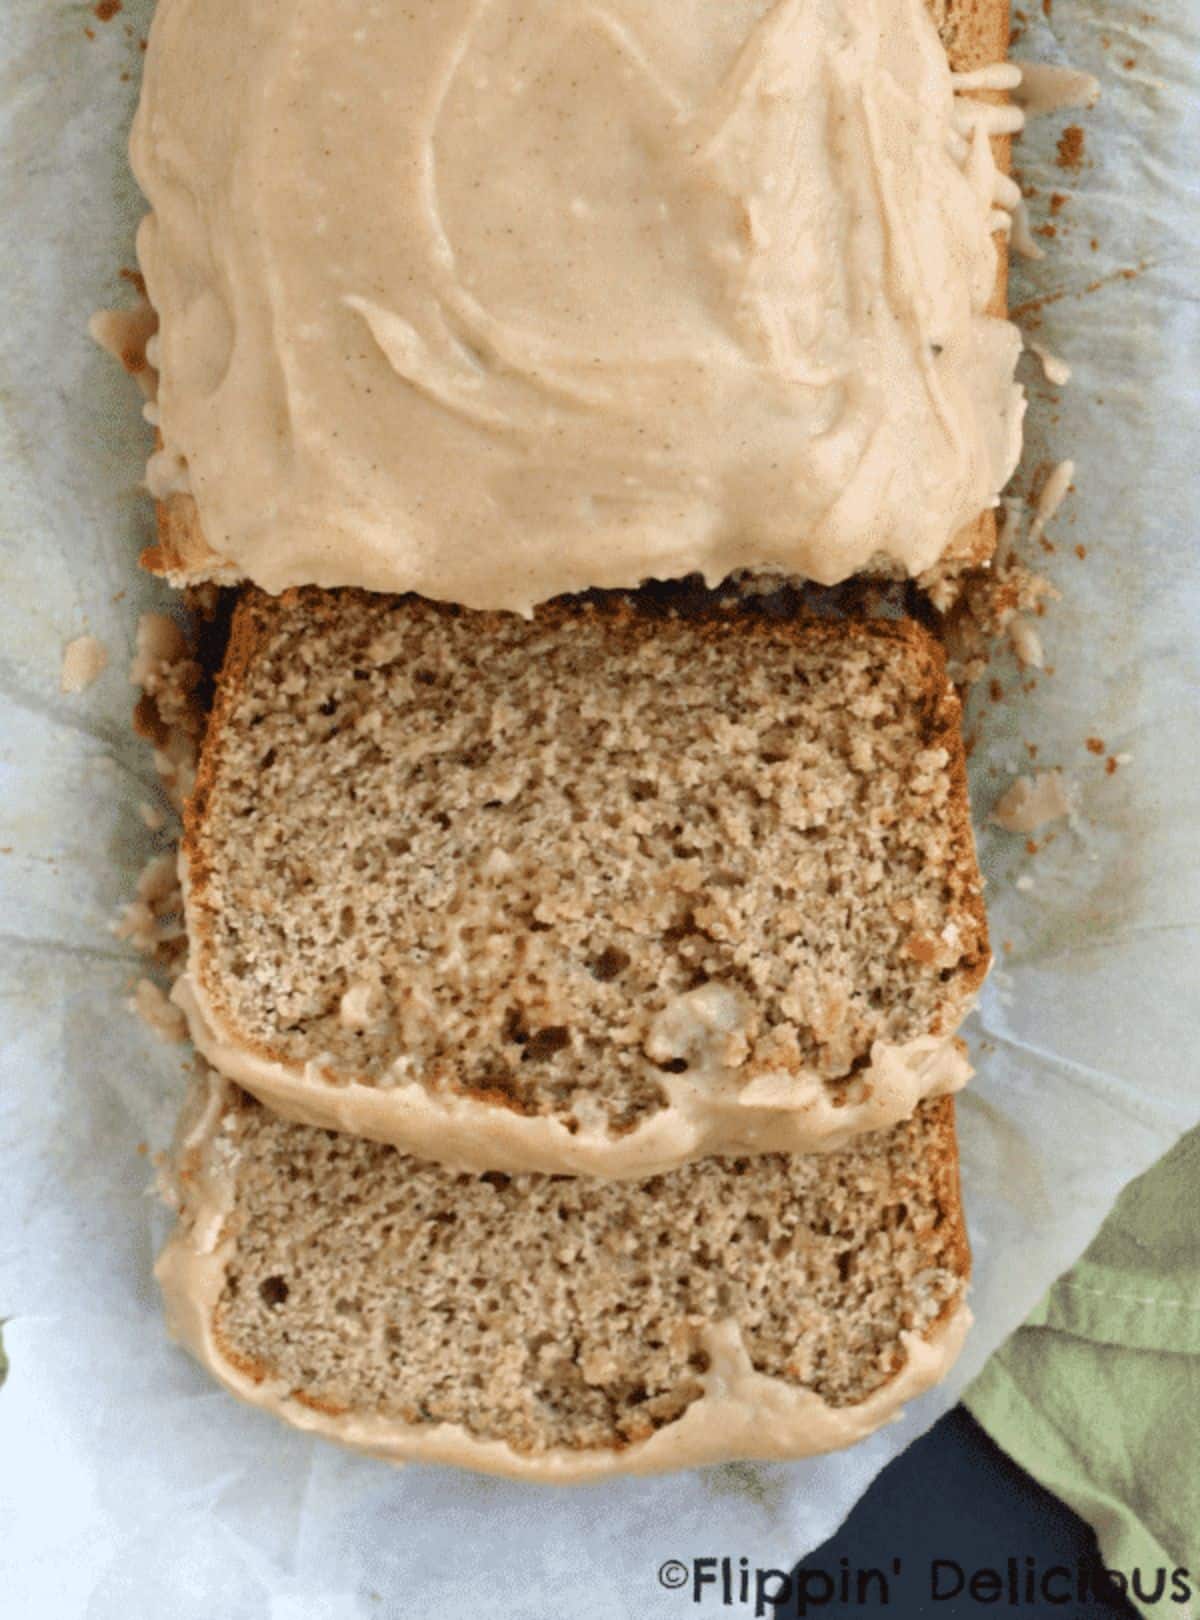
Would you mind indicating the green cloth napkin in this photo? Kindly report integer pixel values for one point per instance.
(1098, 1395)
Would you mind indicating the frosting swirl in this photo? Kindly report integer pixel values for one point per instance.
(493, 301)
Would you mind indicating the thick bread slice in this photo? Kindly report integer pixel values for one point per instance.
(562, 1329)
(975, 35)
(600, 891)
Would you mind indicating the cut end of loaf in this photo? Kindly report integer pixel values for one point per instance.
(566, 865)
(553, 1313)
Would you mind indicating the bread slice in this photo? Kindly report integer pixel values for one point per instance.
(975, 34)
(599, 891)
(562, 1329)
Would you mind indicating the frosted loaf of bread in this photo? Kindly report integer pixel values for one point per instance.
(498, 302)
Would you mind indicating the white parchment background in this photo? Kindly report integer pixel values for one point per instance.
(129, 1487)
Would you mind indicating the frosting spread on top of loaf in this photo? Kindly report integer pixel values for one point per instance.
(493, 301)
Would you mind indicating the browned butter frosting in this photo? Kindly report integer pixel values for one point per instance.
(496, 299)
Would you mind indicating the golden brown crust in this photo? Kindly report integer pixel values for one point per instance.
(946, 1170)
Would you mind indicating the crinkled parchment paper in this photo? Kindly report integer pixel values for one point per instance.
(130, 1487)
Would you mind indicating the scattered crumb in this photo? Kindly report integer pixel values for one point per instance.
(1081, 552)
(1022, 312)
(987, 607)
(152, 1007)
(1027, 644)
(83, 660)
(1070, 147)
(1031, 802)
(168, 714)
(1058, 201)
(1095, 745)
(1129, 62)
(153, 921)
(106, 10)
(1031, 846)
(1032, 750)
(1110, 765)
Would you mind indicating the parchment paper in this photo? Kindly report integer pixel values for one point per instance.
(128, 1486)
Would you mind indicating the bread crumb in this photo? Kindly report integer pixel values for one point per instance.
(83, 660)
(1031, 802)
(160, 642)
(153, 922)
(1027, 644)
(992, 601)
(1095, 745)
(1070, 148)
(169, 713)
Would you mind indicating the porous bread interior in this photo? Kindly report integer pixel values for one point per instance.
(552, 1311)
(490, 855)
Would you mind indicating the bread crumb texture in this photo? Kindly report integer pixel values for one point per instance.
(84, 660)
(561, 1311)
(509, 857)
